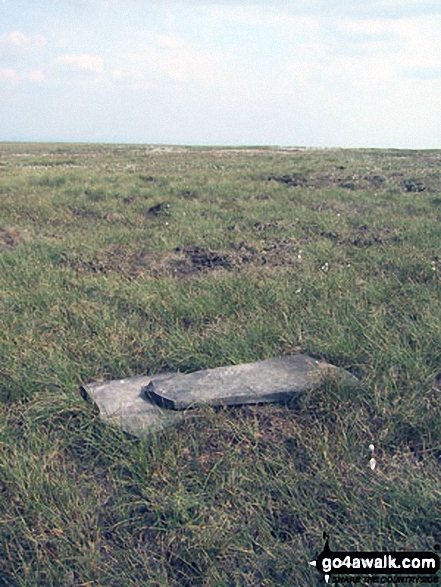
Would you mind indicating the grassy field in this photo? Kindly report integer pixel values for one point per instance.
(127, 260)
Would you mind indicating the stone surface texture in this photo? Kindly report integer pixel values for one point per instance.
(145, 404)
(120, 403)
(273, 380)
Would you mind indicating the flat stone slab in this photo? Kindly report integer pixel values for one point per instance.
(120, 403)
(145, 404)
(273, 380)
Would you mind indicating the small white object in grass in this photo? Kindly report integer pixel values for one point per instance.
(372, 462)
(298, 290)
(325, 267)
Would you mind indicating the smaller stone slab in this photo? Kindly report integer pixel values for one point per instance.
(120, 403)
(273, 380)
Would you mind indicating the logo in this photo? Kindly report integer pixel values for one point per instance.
(378, 563)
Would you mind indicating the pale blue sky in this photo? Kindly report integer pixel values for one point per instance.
(363, 73)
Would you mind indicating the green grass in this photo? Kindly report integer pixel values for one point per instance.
(239, 267)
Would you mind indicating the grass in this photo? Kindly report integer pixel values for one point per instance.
(127, 260)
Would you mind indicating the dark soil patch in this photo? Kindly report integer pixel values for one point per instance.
(321, 181)
(355, 181)
(196, 259)
(330, 235)
(413, 185)
(295, 180)
(203, 259)
(349, 185)
(8, 238)
(181, 263)
(147, 178)
(161, 209)
(185, 262)
(189, 262)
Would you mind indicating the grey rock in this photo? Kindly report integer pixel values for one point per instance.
(273, 380)
(145, 404)
(120, 403)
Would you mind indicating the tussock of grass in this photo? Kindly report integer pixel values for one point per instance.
(344, 265)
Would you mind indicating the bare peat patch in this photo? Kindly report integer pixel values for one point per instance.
(184, 262)
(161, 209)
(193, 260)
(147, 178)
(358, 181)
(414, 186)
(295, 180)
(9, 238)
